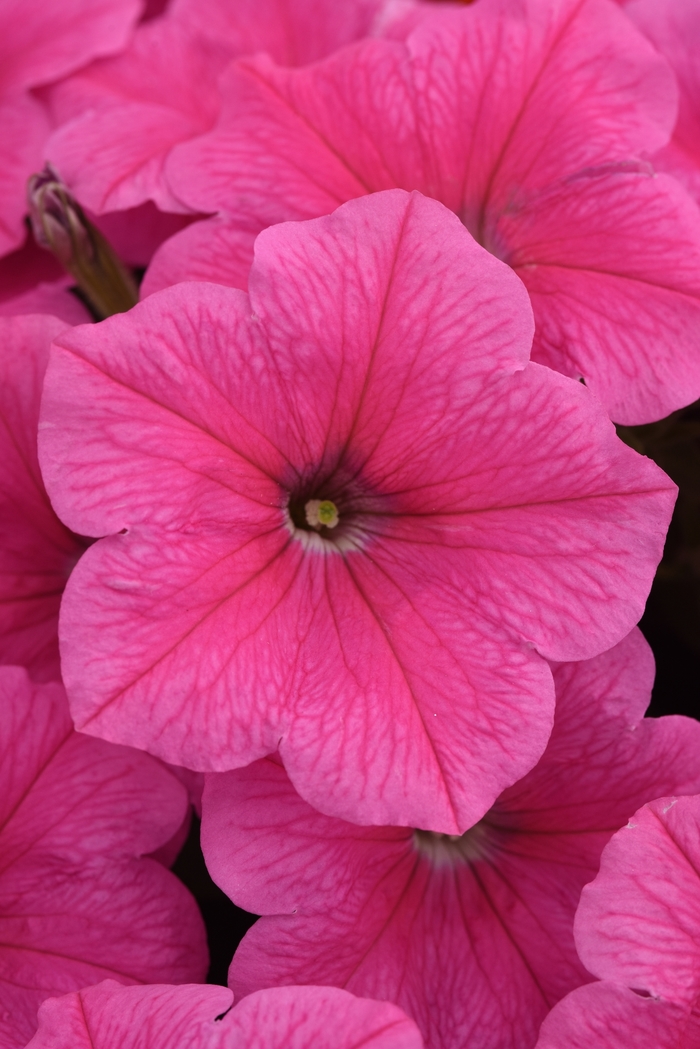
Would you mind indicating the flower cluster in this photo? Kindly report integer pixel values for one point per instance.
(318, 318)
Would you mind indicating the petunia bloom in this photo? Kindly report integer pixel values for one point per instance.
(121, 117)
(37, 552)
(674, 28)
(112, 1017)
(638, 928)
(344, 517)
(471, 936)
(533, 121)
(39, 43)
(78, 900)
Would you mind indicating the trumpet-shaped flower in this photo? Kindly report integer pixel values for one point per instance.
(112, 1017)
(472, 936)
(78, 900)
(533, 121)
(345, 518)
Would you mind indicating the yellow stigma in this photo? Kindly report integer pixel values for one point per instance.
(321, 512)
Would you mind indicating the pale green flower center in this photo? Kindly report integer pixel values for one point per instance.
(321, 513)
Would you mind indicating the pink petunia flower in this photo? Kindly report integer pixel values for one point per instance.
(638, 928)
(78, 902)
(673, 26)
(533, 121)
(471, 936)
(112, 1017)
(39, 43)
(121, 117)
(37, 552)
(345, 518)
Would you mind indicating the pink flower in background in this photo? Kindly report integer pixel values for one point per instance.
(112, 1017)
(345, 518)
(37, 552)
(638, 928)
(39, 43)
(673, 26)
(471, 936)
(532, 120)
(121, 117)
(78, 902)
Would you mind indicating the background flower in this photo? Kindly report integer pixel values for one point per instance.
(533, 120)
(78, 900)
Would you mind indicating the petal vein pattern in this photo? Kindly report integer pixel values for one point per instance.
(485, 516)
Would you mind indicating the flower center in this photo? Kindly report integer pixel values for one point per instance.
(321, 513)
(450, 850)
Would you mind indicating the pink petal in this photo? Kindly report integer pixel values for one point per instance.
(638, 923)
(674, 28)
(162, 1017)
(381, 347)
(50, 298)
(128, 112)
(109, 1016)
(294, 32)
(23, 130)
(77, 903)
(37, 552)
(475, 950)
(639, 354)
(606, 1016)
(41, 42)
(212, 250)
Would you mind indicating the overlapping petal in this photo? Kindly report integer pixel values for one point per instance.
(674, 28)
(293, 32)
(474, 939)
(608, 1016)
(121, 116)
(637, 928)
(638, 922)
(41, 42)
(37, 552)
(77, 900)
(109, 1016)
(470, 109)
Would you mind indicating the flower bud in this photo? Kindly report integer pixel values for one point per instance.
(60, 225)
